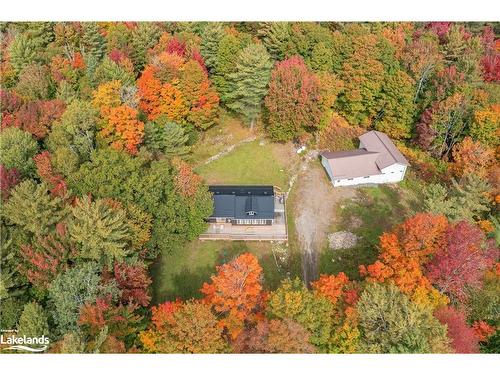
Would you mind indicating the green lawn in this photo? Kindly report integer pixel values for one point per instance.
(229, 131)
(182, 273)
(250, 163)
(376, 209)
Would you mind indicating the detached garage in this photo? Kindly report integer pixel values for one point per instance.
(376, 161)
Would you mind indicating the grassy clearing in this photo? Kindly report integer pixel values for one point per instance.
(182, 273)
(375, 210)
(250, 163)
(229, 131)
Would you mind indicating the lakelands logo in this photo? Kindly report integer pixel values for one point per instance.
(23, 343)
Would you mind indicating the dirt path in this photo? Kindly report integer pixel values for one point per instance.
(314, 214)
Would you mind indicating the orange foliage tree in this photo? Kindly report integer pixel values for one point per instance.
(236, 292)
(402, 254)
(331, 286)
(179, 89)
(183, 327)
(123, 130)
(186, 181)
(471, 157)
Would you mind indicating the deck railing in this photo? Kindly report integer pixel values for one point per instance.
(243, 237)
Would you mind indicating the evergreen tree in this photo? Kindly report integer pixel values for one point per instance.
(249, 82)
(144, 37)
(33, 321)
(210, 39)
(93, 43)
(163, 137)
(33, 208)
(17, 149)
(23, 52)
(100, 231)
(276, 36)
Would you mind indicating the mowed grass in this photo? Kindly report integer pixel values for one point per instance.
(375, 210)
(182, 273)
(248, 164)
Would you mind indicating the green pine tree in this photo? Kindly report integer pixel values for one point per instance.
(166, 138)
(249, 82)
(93, 42)
(210, 39)
(144, 37)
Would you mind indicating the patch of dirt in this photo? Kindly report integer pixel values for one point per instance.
(315, 209)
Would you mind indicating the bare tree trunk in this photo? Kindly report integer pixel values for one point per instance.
(252, 123)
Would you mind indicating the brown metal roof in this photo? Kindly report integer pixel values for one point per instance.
(379, 142)
(379, 153)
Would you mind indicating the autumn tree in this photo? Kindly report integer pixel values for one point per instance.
(249, 82)
(122, 130)
(391, 323)
(292, 100)
(462, 337)
(274, 336)
(45, 171)
(189, 327)
(463, 260)
(17, 149)
(133, 281)
(485, 126)
(397, 106)
(331, 286)
(45, 258)
(235, 292)
(402, 254)
(471, 157)
(292, 300)
(363, 75)
(8, 179)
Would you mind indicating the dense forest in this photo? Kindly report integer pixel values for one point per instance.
(98, 121)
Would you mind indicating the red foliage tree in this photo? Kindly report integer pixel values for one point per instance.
(293, 100)
(8, 179)
(463, 338)
(46, 172)
(133, 281)
(44, 260)
(462, 261)
(236, 292)
(177, 47)
(35, 117)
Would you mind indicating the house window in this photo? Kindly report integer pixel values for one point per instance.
(349, 179)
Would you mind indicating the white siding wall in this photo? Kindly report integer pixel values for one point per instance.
(394, 173)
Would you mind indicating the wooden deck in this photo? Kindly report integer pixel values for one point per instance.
(276, 232)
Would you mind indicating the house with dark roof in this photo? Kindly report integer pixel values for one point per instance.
(246, 213)
(376, 161)
(243, 205)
